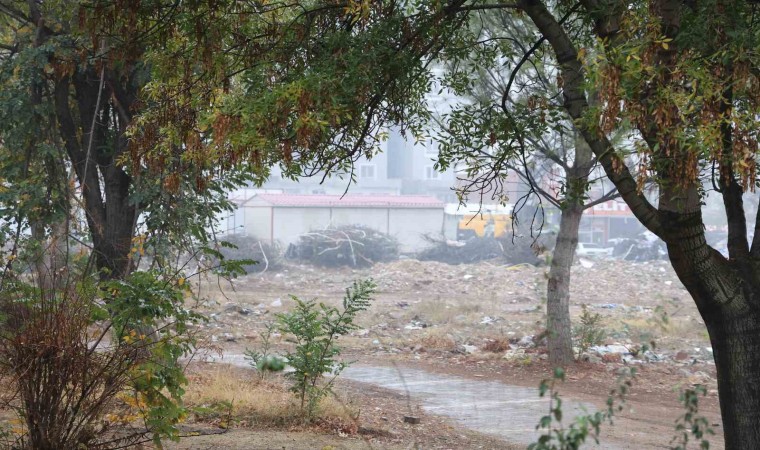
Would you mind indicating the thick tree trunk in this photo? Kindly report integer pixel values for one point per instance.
(558, 290)
(736, 348)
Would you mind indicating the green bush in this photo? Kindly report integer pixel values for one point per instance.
(316, 328)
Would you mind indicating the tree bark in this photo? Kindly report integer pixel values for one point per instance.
(558, 324)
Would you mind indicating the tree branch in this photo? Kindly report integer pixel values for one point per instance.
(573, 75)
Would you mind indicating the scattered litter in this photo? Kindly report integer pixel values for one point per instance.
(277, 303)
(585, 263)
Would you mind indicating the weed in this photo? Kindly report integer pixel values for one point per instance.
(589, 332)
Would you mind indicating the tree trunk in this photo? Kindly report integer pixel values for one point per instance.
(736, 349)
(558, 325)
(727, 302)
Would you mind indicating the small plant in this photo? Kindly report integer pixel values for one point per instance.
(316, 327)
(589, 332)
(555, 436)
(263, 360)
(691, 423)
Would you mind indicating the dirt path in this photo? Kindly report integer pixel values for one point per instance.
(510, 411)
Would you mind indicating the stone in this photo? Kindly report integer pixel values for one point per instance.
(681, 356)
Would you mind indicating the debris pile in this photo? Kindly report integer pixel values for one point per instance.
(353, 245)
(478, 249)
(266, 256)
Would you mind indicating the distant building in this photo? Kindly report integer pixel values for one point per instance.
(402, 167)
(284, 217)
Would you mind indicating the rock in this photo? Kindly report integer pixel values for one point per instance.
(229, 337)
(469, 348)
(613, 348)
(231, 307)
(276, 304)
(411, 420)
(681, 356)
(514, 354)
(590, 357)
(526, 341)
(376, 342)
(418, 349)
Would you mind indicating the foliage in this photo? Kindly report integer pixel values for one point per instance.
(96, 364)
(589, 332)
(316, 329)
(691, 423)
(555, 436)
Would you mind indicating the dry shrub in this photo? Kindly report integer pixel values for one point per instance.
(62, 383)
(93, 363)
(438, 339)
(218, 392)
(497, 345)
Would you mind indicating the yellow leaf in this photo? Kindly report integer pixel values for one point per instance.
(181, 281)
(665, 45)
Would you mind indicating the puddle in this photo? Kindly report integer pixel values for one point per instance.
(498, 409)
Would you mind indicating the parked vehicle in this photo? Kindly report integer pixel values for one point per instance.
(589, 250)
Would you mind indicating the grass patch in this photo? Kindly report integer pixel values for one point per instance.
(227, 396)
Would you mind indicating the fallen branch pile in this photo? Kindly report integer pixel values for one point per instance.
(478, 249)
(355, 246)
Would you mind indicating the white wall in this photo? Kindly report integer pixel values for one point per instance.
(408, 225)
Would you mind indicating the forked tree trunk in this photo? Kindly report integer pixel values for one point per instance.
(558, 326)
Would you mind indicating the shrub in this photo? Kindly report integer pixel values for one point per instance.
(316, 327)
(112, 389)
(589, 332)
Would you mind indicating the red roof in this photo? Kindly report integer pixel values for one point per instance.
(352, 200)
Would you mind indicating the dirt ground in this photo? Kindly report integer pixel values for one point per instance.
(460, 320)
